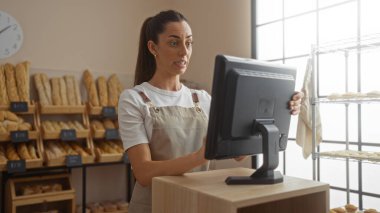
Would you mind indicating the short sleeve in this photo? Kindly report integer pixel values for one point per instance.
(131, 120)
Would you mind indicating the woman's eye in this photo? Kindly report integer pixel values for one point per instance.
(189, 43)
(173, 43)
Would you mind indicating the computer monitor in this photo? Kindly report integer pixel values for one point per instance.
(249, 114)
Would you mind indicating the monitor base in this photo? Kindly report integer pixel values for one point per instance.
(245, 180)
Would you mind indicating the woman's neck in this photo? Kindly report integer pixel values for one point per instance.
(165, 83)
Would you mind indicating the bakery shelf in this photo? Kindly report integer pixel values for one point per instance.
(50, 109)
(32, 135)
(364, 100)
(51, 135)
(31, 108)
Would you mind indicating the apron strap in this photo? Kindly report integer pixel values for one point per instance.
(194, 95)
(147, 100)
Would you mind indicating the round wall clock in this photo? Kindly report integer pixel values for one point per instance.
(11, 36)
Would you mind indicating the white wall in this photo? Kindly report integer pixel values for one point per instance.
(61, 36)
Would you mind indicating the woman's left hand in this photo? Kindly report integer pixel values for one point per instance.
(295, 103)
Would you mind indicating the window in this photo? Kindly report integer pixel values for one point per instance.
(283, 31)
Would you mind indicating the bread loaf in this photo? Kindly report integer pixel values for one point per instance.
(63, 91)
(2, 115)
(63, 125)
(3, 159)
(25, 126)
(56, 126)
(103, 91)
(113, 91)
(70, 91)
(79, 125)
(48, 126)
(2, 128)
(3, 88)
(11, 116)
(23, 152)
(40, 90)
(79, 150)
(22, 78)
(11, 83)
(93, 98)
(55, 93)
(11, 152)
(32, 151)
(97, 125)
(47, 87)
(77, 91)
(108, 124)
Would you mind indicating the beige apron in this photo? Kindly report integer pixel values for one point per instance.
(177, 131)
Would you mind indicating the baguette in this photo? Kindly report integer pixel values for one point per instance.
(63, 92)
(22, 80)
(102, 89)
(70, 91)
(108, 124)
(25, 126)
(11, 83)
(3, 158)
(47, 87)
(11, 152)
(113, 91)
(93, 98)
(77, 92)
(55, 93)
(79, 149)
(32, 151)
(3, 88)
(11, 116)
(23, 152)
(79, 125)
(97, 125)
(40, 89)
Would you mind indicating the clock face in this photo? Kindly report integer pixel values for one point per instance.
(10, 35)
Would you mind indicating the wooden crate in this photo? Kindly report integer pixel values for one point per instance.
(15, 199)
(29, 164)
(51, 109)
(5, 137)
(57, 134)
(61, 161)
(31, 108)
(107, 158)
(95, 110)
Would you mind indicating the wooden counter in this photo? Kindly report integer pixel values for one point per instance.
(207, 192)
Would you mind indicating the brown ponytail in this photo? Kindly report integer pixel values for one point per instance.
(151, 28)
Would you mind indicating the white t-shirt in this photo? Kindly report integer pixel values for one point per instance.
(135, 121)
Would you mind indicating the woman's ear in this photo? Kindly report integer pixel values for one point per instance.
(152, 48)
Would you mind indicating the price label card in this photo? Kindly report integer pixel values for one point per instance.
(19, 136)
(73, 160)
(125, 158)
(109, 112)
(112, 134)
(14, 166)
(19, 106)
(68, 135)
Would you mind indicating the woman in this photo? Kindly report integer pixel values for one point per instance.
(161, 129)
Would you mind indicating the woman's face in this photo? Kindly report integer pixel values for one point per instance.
(174, 47)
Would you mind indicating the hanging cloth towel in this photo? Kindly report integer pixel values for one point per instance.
(304, 129)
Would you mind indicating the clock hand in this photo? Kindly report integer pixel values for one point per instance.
(1, 31)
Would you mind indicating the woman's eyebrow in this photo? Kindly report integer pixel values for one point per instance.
(175, 36)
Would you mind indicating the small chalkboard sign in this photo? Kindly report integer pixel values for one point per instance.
(19, 136)
(109, 112)
(73, 160)
(14, 166)
(19, 107)
(68, 135)
(112, 134)
(125, 158)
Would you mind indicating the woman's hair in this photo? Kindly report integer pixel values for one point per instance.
(151, 28)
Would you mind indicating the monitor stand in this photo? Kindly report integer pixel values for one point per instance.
(265, 174)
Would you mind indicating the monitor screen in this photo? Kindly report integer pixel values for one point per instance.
(248, 97)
